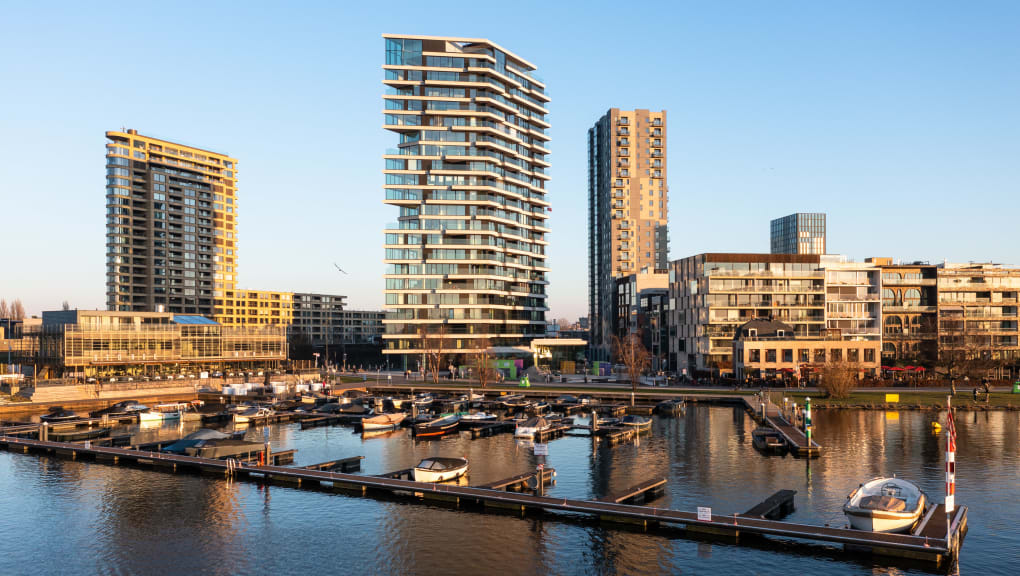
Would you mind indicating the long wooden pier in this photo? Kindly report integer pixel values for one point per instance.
(917, 547)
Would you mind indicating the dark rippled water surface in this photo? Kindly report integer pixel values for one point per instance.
(65, 517)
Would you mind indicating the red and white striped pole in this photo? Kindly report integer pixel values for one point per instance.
(950, 469)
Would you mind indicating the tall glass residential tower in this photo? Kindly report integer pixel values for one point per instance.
(467, 256)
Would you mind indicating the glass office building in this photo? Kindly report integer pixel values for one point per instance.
(801, 233)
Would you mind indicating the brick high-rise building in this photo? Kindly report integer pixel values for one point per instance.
(627, 210)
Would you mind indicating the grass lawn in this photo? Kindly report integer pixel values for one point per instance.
(909, 399)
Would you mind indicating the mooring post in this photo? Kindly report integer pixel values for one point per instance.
(268, 463)
(807, 421)
(950, 502)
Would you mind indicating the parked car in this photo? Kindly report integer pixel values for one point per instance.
(90, 380)
(113, 379)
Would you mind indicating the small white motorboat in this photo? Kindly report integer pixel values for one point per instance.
(162, 412)
(885, 505)
(440, 469)
(383, 422)
(246, 416)
(531, 426)
(479, 417)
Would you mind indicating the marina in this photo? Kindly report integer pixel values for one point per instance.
(908, 546)
(627, 505)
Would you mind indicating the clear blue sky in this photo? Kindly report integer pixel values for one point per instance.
(901, 120)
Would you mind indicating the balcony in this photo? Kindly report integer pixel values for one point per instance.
(909, 281)
(901, 309)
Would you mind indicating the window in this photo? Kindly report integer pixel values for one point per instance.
(912, 297)
(869, 355)
(770, 356)
(803, 356)
(755, 356)
(836, 355)
(788, 356)
(888, 297)
(893, 325)
(853, 355)
(819, 355)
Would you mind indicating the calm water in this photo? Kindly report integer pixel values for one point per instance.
(64, 517)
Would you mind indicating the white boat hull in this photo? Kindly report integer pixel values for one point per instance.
(373, 427)
(887, 522)
(871, 507)
(158, 416)
(527, 432)
(443, 476)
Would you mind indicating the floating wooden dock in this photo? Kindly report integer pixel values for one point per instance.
(641, 492)
(492, 429)
(794, 437)
(935, 550)
(521, 482)
(352, 464)
(775, 507)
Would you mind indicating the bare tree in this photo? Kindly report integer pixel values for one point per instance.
(838, 379)
(65, 305)
(433, 342)
(17, 310)
(630, 352)
(5, 311)
(484, 371)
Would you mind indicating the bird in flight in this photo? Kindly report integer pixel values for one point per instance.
(340, 269)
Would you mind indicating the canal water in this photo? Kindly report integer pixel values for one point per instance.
(64, 517)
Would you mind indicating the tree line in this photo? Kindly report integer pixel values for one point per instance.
(13, 311)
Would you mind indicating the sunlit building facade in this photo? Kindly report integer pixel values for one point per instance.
(171, 231)
(628, 207)
(467, 255)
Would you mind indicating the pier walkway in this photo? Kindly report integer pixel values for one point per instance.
(901, 545)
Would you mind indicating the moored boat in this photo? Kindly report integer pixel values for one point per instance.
(162, 412)
(383, 422)
(671, 407)
(252, 413)
(768, 440)
(78, 436)
(440, 469)
(885, 505)
(530, 427)
(479, 417)
(58, 414)
(437, 427)
(639, 422)
(516, 402)
(123, 408)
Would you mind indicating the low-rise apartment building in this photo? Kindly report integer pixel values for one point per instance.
(712, 294)
(977, 318)
(909, 313)
(770, 349)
